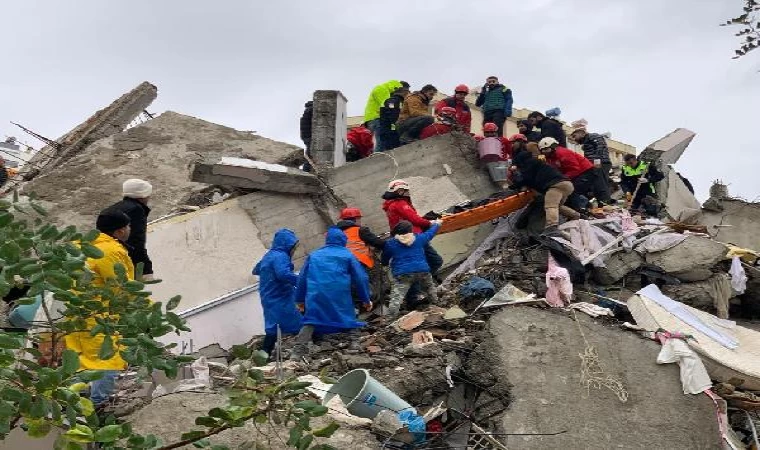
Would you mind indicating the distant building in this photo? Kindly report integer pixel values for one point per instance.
(12, 153)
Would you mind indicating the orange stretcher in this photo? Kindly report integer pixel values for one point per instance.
(475, 216)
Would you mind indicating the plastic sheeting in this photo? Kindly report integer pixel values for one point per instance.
(738, 276)
(585, 240)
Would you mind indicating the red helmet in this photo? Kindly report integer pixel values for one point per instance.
(490, 127)
(350, 213)
(448, 111)
(518, 137)
(462, 88)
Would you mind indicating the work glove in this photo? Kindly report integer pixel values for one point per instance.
(431, 215)
(643, 180)
(437, 222)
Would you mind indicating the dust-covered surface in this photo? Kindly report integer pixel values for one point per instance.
(161, 151)
(537, 351)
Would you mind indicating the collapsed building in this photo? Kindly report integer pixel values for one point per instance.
(220, 195)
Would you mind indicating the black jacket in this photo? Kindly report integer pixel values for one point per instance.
(391, 109)
(595, 147)
(365, 234)
(308, 112)
(552, 128)
(628, 183)
(535, 174)
(531, 134)
(138, 215)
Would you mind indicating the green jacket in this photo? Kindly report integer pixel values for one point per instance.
(377, 97)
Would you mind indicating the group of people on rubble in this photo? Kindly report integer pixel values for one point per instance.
(321, 299)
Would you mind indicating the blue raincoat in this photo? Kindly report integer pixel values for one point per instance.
(277, 284)
(324, 285)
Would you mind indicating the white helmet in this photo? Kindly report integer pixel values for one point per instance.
(547, 142)
(395, 185)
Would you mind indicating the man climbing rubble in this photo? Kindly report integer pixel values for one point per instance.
(361, 242)
(549, 127)
(114, 229)
(415, 113)
(586, 180)
(447, 122)
(137, 194)
(546, 180)
(462, 110)
(324, 289)
(638, 180)
(377, 98)
(277, 288)
(595, 150)
(406, 254)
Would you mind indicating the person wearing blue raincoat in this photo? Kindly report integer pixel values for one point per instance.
(324, 288)
(277, 288)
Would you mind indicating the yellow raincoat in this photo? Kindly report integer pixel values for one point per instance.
(81, 342)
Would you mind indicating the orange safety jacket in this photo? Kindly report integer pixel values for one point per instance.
(359, 248)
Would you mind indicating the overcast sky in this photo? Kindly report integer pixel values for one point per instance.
(636, 68)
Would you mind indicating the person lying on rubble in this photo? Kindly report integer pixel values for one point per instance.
(137, 194)
(324, 289)
(415, 114)
(586, 180)
(277, 288)
(114, 229)
(491, 130)
(546, 180)
(359, 143)
(463, 115)
(525, 127)
(406, 254)
(377, 98)
(361, 241)
(549, 127)
(447, 122)
(634, 173)
(386, 134)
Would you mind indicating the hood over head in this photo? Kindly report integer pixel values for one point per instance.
(345, 223)
(335, 236)
(284, 239)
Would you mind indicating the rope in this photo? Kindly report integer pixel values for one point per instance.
(395, 163)
(592, 371)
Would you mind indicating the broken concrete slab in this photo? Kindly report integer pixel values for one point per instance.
(617, 266)
(250, 174)
(699, 294)
(538, 350)
(669, 148)
(691, 260)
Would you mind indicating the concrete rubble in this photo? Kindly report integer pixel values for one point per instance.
(512, 373)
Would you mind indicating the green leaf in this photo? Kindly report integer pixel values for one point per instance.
(38, 428)
(295, 436)
(70, 362)
(207, 422)
(9, 341)
(260, 358)
(90, 375)
(318, 411)
(86, 406)
(173, 302)
(203, 443)
(91, 251)
(107, 350)
(109, 433)
(80, 433)
(326, 431)
(5, 219)
(305, 442)
(90, 236)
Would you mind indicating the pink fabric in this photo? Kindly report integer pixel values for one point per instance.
(559, 288)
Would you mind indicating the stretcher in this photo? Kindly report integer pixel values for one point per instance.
(481, 214)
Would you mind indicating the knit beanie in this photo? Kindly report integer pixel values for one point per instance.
(403, 227)
(110, 220)
(135, 188)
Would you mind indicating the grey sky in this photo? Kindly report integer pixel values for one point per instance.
(636, 68)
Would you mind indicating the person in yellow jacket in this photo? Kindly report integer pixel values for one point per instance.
(114, 230)
(376, 100)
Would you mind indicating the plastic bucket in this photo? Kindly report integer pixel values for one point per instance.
(498, 170)
(364, 396)
(489, 149)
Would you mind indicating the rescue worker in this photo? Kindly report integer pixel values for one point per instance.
(277, 288)
(114, 229)
(576, 167)
(490, 129)
(406, 254)
(324, 289)
(377, 98)
(495, 100)
(635, 172)
(447, 122)
(415, 114)
(308, 113)
(546, 180)
(137, 194)
(463, 114)
(519, 143)
(595, 150)
(359, 145)
(525, 127)
(361, 242)
(387, 137)
(549, 127)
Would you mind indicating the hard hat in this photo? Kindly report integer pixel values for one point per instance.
(547, 142)
(448, 111)
(462, 88)
(518, 137)
(395, 185)
(350, 213)
(490, 127)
